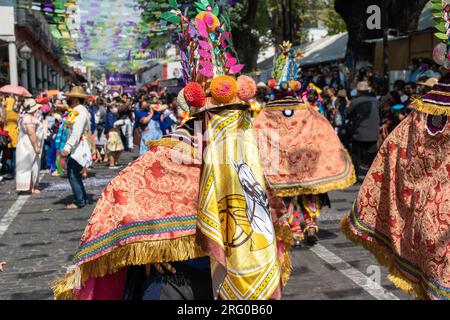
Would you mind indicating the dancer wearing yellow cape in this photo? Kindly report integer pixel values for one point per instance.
(302, 156)
(402, 213)
(191, 218)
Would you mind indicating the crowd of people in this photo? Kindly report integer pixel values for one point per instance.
(39, 133)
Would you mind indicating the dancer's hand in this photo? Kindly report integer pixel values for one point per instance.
(159, 268)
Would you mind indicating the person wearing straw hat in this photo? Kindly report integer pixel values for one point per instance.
(77, 148)
(29, 148)
(364, 116)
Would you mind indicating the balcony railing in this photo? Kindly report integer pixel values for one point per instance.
(36, 23)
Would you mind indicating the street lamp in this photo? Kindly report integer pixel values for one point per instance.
(25, 52)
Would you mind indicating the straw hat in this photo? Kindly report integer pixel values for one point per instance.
(262, 85)
(31, 106)
(342, 93)
(429, 83)
(77, 92)
(363, 86)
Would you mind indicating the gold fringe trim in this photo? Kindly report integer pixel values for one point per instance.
(140, 253)
(284, 233)
(286, 267)
(429, 108)
(385, 258)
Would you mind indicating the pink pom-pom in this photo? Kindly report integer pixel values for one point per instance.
(246, 88)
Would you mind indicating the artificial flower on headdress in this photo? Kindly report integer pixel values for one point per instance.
(208, 58)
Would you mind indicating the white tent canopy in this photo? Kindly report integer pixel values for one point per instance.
(327, 49)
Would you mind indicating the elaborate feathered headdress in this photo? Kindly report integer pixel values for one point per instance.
(208, 57)
(286, 69)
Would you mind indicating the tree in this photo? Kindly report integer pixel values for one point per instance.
(332, 20)
(402, 15)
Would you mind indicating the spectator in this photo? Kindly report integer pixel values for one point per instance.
(364, 117)
(99, 112)
(114, 144)
(11, 109)
(29, 148)
(149, 120)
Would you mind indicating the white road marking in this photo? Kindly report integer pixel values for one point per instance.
(12, 213)
(371, 287)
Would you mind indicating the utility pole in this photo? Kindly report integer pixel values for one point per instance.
(385, 22)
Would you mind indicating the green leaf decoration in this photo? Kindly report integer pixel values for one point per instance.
(170, 17)
(437, 4)
(441, 27)
(200, 6)
(173, 4)
(205, 3)
(216, 10)
(441, 36)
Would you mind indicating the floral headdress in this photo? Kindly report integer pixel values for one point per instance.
(441, 12)
(209, 61)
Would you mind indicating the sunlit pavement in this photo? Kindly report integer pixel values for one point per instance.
(41, 239)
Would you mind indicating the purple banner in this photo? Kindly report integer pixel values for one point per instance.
(120, 79)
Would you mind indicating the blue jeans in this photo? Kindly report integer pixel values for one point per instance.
(76, 182)
(50, 159)
(9, 165)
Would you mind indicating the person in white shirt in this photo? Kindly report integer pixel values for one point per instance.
(77, 147)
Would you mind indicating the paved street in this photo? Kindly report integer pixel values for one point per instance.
(40, 240)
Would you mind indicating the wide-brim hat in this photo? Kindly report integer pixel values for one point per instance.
(363, 86)
(77, 92)
(430, 82)
(31, 106)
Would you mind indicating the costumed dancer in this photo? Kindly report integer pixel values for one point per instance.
(173, 225)
(302, 156)
(402, 213)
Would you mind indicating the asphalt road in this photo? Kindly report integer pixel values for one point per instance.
(38, 239)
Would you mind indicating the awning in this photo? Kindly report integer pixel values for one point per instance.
(327, 49)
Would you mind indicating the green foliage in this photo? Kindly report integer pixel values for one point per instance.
(332, 20)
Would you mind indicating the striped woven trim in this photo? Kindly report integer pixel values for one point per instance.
(133, 230)
(286, 104)
(413, 271)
